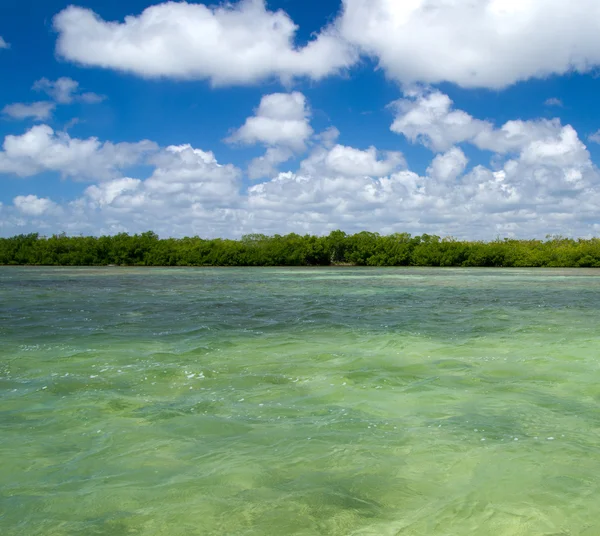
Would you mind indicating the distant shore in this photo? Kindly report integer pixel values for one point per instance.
(337, 249)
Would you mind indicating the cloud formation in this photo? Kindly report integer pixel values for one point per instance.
(230, 44)
(65, 90)
(595, 137)
(474, 43)
(447, 167)
(40, 111)
(3, 44)
(42, 149)
(340, 161)
(541, 181)
(61, 91)
(188, 191)
(281, 122)
(32, 205)
(429, 118)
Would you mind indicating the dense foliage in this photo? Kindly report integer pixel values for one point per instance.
(362, 249)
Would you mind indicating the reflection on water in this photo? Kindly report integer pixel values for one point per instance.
(282, 401)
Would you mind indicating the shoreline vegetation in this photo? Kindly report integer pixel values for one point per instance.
(335, 249)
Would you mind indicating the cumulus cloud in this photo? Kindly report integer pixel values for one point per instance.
(562, 150)
(448, 166)
(42, 149)
(350, 161)
(3, 44)
(428, 117)
(65, 90)
(333, 200)
(31, 205)
(537, 192)
(101, 195)
(39, 111)
(545, 164)
(542, 182)
(345, 187)
(240, 43)
(184, 179)
(281, 122)
(267, 164)
(553, 101)
(343, 161)
(472, 43)
(475, 43)
(193, 175)
(188, 192)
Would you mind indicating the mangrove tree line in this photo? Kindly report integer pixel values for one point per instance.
(361, 249)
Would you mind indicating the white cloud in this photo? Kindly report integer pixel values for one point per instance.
(188, 192)
(35, 110)
(266, 165)
(475, 43)
(448, 166)
(328, 138)
(428, 118)
(193, 175)
(106, 193)
(3, 44)
(65, 90)
(31, 205)
(344, 161)
(281, 120)
(536, 193)
(542, 182)
(352, 162)
(563, 150)
(331, 200)
(472, 43)
(240, 43)
(553, 101)
(548, 165)
(595, 137)
(41, 149)
(515, 135)
(338, 187)
(186, 185)
(61, 90)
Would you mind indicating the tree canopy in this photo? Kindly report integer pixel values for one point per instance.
(361, 249)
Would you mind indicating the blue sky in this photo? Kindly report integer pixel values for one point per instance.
(470, 118)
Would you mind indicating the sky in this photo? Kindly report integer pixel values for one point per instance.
(475, 119)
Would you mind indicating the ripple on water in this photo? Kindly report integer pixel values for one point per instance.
(269, 402)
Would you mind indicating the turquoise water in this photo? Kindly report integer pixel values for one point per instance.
(299, 401)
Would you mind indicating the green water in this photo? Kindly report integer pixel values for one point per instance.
(307, 402)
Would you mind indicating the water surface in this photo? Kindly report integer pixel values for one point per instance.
(299, 401)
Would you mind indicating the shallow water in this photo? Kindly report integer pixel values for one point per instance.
(299, 401)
